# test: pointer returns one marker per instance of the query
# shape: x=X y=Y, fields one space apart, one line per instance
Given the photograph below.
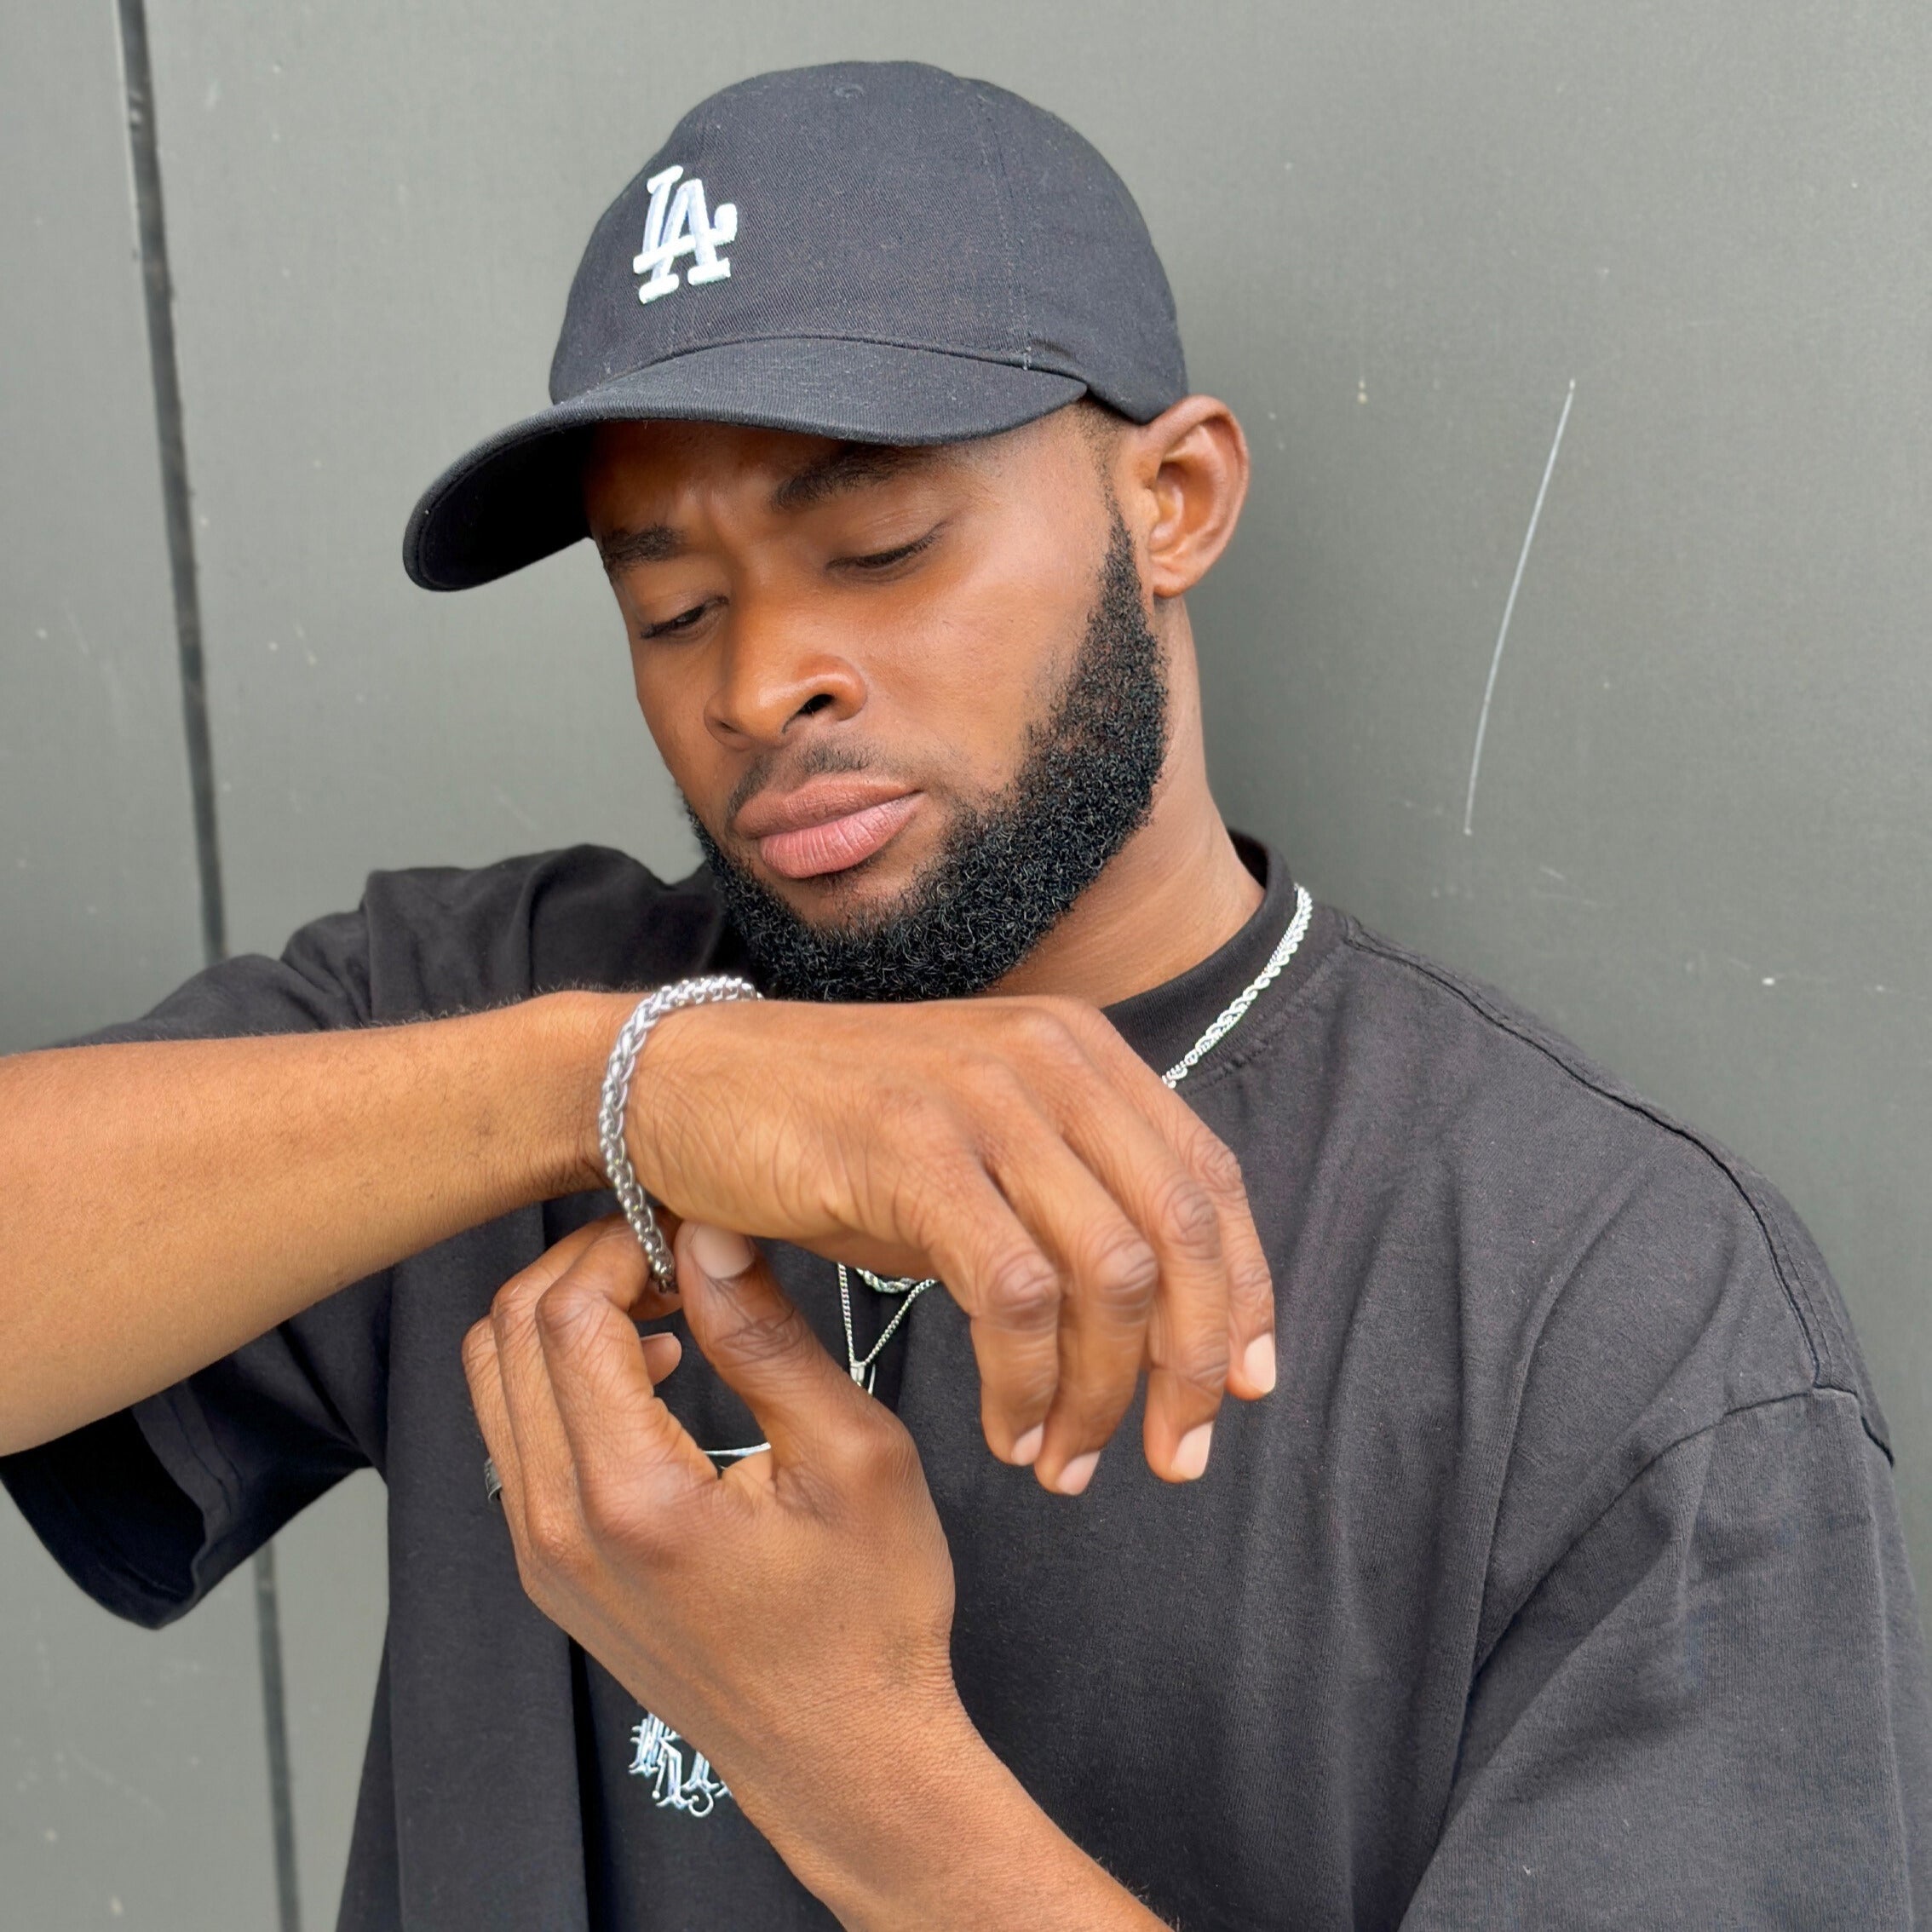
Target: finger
x=480 y=1370
x=649 y=1304
x=1250 y=1281
x=807 y=1407
x=546 y=1521
x=631 y=1460
x=662 y=1353
x=995 y=1267
x=533 y=1430
x=1187 y=1322
x=1109 y=1274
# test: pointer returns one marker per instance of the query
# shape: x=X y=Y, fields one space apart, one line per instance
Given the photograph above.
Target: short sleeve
x=149 y=1508
x=1713 y=1710
x=321 y=983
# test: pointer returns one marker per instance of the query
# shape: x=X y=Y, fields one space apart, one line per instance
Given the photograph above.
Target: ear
x=1181 y=480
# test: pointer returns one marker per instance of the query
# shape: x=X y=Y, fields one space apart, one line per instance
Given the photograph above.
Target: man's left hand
x=795 y=1612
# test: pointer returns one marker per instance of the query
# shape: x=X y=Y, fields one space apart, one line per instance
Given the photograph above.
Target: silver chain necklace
x=657 y=1754
x=864 y=1369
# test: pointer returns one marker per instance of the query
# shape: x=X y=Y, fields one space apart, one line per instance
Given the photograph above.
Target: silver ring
x=492 y=1483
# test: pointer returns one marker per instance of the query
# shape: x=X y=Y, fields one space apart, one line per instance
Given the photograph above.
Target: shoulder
x=440 y=939
x=1600 y=1284
x=1629 y=1206
x=1621 y=1282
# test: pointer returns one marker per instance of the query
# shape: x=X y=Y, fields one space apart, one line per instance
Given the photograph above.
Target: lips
x=826 y=826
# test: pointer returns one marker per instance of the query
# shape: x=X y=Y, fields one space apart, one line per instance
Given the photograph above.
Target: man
x=1550 y=1573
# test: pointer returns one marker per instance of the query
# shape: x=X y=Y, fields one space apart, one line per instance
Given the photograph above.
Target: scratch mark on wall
x=1509 y=611
x=112 y=1783
x=516 y=810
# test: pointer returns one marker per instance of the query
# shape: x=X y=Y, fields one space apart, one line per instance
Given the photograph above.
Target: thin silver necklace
x=864 y=1369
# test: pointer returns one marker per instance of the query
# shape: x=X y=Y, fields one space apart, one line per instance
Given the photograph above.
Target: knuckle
x=1042 y=1030
x=894 y=1459
x=867 y=1445
x=1098 y=1039
x=935 y=1203
x=1185 y=1214
x=1022 y=1291
x=512 y=1302
x=1215 y=1162
x=478 y=1345
x=1014 y=1384
x=1201 y=1365
x=561 y=1309
x=1123 y=1273
x=763 y=1340
x=1076 y=1016
x=550 y=1532
x=1251 y=1282
x=1014 y=1392
x=612 y=1255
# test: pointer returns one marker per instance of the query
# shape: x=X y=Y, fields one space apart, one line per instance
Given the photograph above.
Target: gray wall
x=1398 y=232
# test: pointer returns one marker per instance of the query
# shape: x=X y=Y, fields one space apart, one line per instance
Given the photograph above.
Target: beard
x=1010 y=868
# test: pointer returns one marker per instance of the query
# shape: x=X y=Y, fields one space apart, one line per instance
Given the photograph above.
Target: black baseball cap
x=884 y=253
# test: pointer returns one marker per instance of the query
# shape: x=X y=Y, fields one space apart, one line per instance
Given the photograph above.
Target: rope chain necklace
x=659 y=1749
x=864 y=1369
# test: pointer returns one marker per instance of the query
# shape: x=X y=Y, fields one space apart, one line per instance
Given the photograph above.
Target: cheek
x=672 y=704
x=981 y=668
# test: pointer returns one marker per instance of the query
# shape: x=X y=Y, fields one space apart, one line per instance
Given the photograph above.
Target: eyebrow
x=657 y=543
x=851 y=466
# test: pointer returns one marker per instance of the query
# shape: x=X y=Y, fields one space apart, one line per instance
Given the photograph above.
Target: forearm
x=165 y=1203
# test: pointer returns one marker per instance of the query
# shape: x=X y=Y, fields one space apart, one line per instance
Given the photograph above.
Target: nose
x=774 y=673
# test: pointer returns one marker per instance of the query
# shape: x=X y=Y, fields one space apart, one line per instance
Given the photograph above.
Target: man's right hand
x=1076 y=1208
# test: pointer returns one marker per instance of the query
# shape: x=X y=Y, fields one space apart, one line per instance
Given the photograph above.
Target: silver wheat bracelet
x=622 y=1176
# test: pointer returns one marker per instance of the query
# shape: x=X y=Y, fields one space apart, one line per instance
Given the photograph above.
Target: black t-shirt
x=1560 y=1582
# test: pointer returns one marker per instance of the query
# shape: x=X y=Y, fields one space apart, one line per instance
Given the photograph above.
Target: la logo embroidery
x=679 y=223
x=695 y=1792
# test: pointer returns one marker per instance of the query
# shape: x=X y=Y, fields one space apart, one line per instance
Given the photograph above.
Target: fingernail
x=1026 y=1450
x=1257 y=1362
x=1078 y=1474
x=722 y=1255
x=1190 y=1459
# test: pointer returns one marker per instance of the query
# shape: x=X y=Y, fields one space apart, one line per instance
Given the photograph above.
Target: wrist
x=883 y=1850
x=946 y=1836
x=572 y=1036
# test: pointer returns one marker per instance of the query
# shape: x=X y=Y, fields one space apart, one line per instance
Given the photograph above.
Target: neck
x=1175 y=893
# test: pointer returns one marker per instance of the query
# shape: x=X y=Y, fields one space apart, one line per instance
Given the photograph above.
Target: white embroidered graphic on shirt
x=658 y=1758
x=679 y=223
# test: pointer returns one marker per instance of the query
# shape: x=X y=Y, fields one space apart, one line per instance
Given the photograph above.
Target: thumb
x=754 y=1337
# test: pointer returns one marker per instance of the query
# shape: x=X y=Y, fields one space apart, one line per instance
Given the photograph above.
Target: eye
x=884 y=560
x=683 y=621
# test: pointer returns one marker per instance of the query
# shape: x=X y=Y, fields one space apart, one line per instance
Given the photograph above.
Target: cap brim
x=516 y=496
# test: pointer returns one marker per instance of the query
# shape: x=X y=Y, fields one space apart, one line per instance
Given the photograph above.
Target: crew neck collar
x=1162 y=1023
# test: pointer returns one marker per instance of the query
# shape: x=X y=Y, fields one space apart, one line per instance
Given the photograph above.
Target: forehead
x=635 y=468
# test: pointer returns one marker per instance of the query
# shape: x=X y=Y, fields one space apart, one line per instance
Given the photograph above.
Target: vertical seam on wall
x=144 y=157
x=177 y=508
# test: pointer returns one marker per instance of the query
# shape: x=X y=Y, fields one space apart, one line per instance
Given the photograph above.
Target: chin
x=866 y=894
x=867 y=891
